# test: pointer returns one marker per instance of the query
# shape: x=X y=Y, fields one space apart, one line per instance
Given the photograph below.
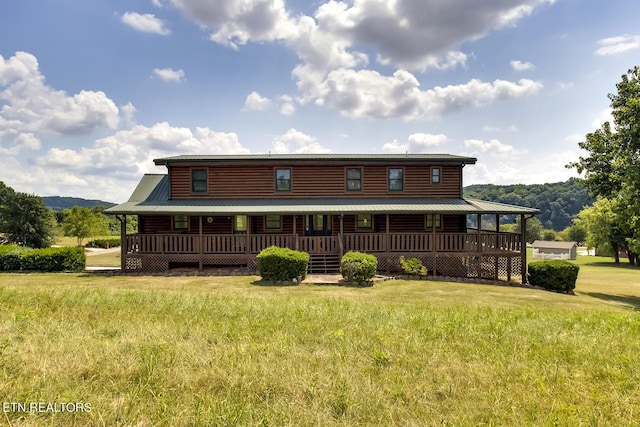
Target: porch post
x=479 y=216
x=248 y=244
x=123 y=242
x=434 y=243
x=341 y=235
x=523 y=248
x=295 y=231
x=200 y=251
x=387 y=243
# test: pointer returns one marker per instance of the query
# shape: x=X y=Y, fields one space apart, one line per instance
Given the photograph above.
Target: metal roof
x=447 y=158
x=151 y=197
x=544 y=244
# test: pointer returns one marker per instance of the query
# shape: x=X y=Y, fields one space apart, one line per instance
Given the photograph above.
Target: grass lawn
x=233 y=351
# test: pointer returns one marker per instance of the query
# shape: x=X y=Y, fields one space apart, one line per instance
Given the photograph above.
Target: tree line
x=559 y=202
x=26 y=220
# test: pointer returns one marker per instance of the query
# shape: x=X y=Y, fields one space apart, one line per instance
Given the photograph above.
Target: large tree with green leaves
x=81 y=222
x=612 y=168
x=25 y=219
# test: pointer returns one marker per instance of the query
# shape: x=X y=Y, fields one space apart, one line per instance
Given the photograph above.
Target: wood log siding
x=252 y=181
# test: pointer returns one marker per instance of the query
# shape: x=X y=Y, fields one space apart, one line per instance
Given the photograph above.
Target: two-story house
x=222 y=210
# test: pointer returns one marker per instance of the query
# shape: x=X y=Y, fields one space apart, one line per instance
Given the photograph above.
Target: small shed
x=555 y=250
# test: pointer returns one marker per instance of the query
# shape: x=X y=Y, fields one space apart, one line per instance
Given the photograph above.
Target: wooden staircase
x=324 y=263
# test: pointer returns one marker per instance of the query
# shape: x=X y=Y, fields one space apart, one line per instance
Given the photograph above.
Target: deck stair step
x=324 y=263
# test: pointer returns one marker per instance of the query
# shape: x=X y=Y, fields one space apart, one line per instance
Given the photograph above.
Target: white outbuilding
x=543 y=249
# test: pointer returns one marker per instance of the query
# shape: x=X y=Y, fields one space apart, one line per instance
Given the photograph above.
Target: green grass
x=231 y=351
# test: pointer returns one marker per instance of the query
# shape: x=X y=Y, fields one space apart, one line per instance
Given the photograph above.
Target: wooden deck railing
x=365 y=242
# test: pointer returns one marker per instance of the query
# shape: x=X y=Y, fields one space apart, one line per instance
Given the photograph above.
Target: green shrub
x=554 y=275
x=11 y=257
x=282 y=264
x=104 y=243
x=45 y=260
x=358 y=267
x=413 y=267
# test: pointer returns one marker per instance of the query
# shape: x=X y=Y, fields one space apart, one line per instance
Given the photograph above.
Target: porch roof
x=151 y=197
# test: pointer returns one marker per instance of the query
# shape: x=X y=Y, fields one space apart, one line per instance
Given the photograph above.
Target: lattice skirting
x=506 y=267
x=162 y=262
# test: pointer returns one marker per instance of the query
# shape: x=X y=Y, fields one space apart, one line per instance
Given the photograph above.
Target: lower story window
x=180 y=222
x=365 y=221
x=272 y=222
x=432 y=220
x=240 y=224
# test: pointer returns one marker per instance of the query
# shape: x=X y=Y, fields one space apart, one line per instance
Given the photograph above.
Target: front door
x=318 y=225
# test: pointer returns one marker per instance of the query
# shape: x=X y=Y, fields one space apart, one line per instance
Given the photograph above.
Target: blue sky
x=92 y=91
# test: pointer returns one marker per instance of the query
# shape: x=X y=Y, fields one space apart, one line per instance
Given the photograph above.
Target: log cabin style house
x=222 y=210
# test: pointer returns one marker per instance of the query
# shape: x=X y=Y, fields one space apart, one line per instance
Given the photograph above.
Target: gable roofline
x=439 y=158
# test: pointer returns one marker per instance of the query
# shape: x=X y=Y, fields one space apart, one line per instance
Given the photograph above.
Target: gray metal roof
x=151 y=197
x=447 y=158
x=544 y=244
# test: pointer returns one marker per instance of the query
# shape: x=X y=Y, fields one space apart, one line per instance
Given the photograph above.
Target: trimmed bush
x=104 y=243
x=11 y=257
x=358 y=267
x=413 y=267
x=554 y=275
x=282 y=264
x=45 y=260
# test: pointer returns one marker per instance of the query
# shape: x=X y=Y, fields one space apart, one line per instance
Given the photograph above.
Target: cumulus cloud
x=405 y=34
x=135 y=150
x=256 y=102
x=521 y=66
x=294 y=141
x=169 y=75
x=31 y=107
x=368 y=93
x=234 y=23
x=146 y=23
x=416 y=143
x=618 y=44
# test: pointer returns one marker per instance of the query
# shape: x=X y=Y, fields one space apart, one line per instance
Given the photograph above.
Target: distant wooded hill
x=558 y=202
x=58 y=203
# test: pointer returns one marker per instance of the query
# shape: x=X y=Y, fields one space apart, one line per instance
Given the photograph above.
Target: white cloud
x=498 y=129
x=146 y=23
x=13 y=142
x=256 y=102
x=287 y=105
x=603 y=116
x=618 y=44
x=235 y=22
x=134 y=150
x=416 y=143
x=156 y=3
x=493 y=147
x=521 y=66
x=32 y=107
x=412 y=33
x=294 y=141
x=367 y=93
x=169 y=75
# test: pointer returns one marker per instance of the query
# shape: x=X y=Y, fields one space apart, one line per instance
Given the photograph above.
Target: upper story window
x=283 y=179
x=436 y=175
x=354 y=179
x=180 y=222
x=199 y=180
x=396 y=179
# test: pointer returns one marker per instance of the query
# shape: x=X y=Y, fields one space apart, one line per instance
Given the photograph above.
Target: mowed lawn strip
x=228 y=351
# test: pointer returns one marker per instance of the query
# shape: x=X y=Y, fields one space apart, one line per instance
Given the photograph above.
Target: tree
x=25 y=219
x=601 y=221
x=81 y=222
x=548 y=235
x=612 y=168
